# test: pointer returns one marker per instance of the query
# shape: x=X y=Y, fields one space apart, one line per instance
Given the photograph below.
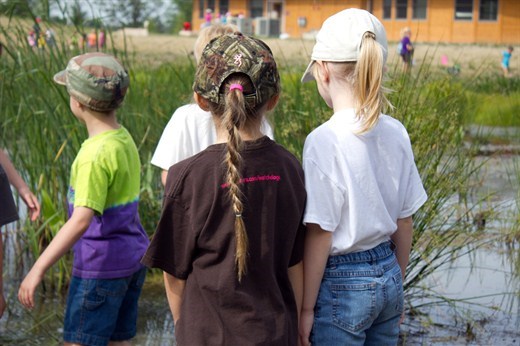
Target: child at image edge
x=9 y=213
x=230 y=237
x=363 y=188
x=104 y=226
x=191 y=129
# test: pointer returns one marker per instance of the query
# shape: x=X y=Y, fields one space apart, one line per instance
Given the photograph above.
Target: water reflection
x=490 y=315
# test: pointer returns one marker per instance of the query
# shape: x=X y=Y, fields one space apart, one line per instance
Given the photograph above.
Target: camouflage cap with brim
x=96 y=80
x=237 y=53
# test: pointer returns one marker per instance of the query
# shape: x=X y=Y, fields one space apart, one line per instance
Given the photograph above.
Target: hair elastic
x=238 y=215
x=236 y=86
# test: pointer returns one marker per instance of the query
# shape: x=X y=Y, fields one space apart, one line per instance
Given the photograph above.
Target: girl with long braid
x=230 y=237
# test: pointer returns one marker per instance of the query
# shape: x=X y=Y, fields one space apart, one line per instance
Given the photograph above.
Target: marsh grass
x=43 y=137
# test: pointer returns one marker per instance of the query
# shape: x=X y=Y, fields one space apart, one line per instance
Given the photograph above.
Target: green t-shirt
x=105 y=177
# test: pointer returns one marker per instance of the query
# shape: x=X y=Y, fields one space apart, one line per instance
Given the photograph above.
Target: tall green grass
x=43 y=137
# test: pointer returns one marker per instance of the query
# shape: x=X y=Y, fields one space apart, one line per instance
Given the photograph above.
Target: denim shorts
x=360 y=301
x=102 y=310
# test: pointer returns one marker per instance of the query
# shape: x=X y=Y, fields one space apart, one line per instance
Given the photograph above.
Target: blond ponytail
x=369 y=90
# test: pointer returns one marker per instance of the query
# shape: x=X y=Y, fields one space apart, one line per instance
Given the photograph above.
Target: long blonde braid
x=234 y=114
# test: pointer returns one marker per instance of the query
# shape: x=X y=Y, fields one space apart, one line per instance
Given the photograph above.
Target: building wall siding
x=439 y=25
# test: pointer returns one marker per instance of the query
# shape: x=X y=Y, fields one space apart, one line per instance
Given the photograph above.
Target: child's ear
x=201 y=101
x=273 y=102
x=323 y=71
x=77 y=103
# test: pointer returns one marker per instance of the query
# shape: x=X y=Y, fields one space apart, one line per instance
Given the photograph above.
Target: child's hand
x=31 y=201
x=28 y=287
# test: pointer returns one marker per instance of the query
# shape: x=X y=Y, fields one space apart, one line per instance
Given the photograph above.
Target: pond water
x=488 y=279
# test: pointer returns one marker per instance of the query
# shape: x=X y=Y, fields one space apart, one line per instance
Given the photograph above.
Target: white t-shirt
x=189 y=131
x=359 y=185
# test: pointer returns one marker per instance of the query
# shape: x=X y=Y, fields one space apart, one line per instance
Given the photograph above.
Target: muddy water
x=488 y=279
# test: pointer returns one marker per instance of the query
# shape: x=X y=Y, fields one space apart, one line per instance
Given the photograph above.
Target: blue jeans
x=360 y=299
x=102 y=310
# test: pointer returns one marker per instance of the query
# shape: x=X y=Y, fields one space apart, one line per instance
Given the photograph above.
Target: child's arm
x=317 y=247
x=402 y=239
x=296 y=278
x=174 y=292
x=16 y=180
x=164 y=175
x=67 y=236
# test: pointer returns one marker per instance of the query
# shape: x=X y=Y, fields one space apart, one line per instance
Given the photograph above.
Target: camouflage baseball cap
x=237 y=53
x=96 y=80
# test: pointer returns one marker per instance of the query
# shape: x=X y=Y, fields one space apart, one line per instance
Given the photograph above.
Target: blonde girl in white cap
x=363 y=188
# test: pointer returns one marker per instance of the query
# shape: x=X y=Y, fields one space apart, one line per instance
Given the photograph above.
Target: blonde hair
x=365 y=78
x=405 y=31
x=208 y=33
x=234 y=114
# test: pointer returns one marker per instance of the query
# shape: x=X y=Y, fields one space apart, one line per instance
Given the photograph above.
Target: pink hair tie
x=236 y=86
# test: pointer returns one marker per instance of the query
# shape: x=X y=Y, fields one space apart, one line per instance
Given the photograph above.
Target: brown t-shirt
x=195 y=241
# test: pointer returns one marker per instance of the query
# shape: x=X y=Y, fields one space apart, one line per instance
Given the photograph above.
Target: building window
x=488 y=9
x=223 y=7
x=256 y=8
x=211 y=5
x=464 y=9
x=201 y=8
x=401 y=9
x=387 y=9
x=419 y=9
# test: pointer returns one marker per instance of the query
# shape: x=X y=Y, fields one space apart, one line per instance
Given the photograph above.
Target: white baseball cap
x=339 y=38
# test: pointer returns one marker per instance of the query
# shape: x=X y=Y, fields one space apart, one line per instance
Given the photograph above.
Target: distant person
x=8 y=212
x=363 y=188
x=208 y=18
x=191 y=129
x=102 y=39
x=37 y=28
x=230 y=237
x=92 y=39
x=31 y=39
x=104 y=226
x=406 y=48
x=506 y=57
x=50 y=37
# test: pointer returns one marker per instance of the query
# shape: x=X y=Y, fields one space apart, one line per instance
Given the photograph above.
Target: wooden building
x=451 y=21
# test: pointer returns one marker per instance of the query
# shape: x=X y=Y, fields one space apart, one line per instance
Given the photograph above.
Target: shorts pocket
x=354 y=305
x=104 y=291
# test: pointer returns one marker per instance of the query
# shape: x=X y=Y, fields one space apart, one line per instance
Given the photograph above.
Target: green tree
x=130 y=13
x=76 y=14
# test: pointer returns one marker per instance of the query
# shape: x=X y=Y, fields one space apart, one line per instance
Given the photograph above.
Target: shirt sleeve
x=174 y=242
x=297 y=253
x=173 y=145
x=415 y=194
x=90 y=190
x=325 y=198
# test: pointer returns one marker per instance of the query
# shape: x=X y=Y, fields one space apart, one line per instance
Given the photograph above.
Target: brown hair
x=235 y=114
